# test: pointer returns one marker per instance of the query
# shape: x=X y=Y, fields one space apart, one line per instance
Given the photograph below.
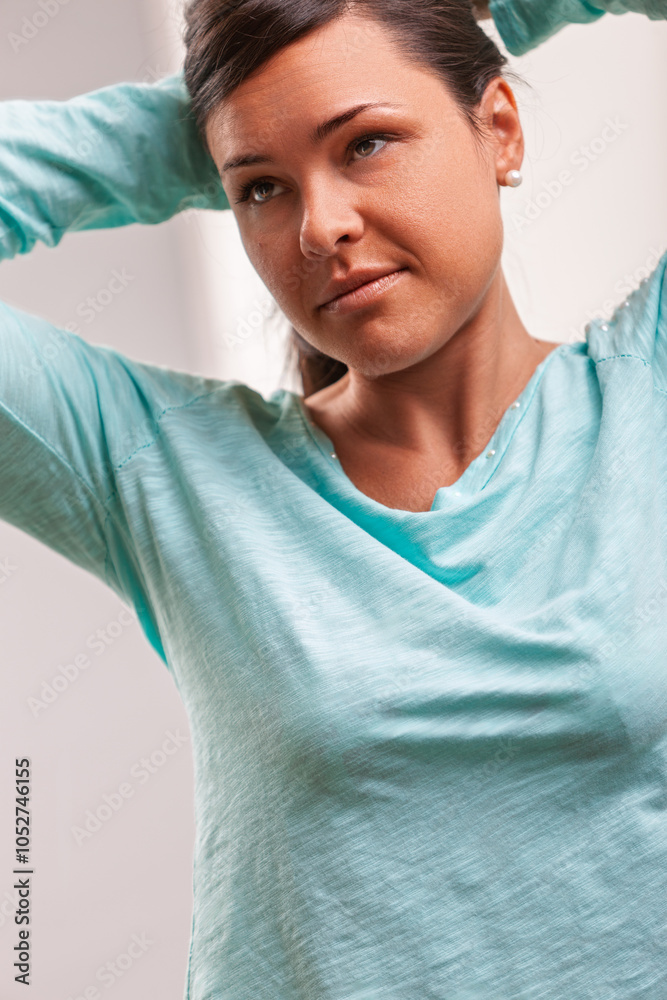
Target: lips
x=358 y=279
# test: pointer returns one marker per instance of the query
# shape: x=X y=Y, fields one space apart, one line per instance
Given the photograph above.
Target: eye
x=368 y=139
x=247 y=189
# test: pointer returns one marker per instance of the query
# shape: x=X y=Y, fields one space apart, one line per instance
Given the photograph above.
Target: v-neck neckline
x=474 y=477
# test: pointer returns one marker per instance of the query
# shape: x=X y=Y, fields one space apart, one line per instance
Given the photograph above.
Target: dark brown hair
x=228 y=40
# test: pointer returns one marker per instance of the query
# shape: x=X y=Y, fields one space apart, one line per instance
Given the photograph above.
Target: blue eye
x=246 y=191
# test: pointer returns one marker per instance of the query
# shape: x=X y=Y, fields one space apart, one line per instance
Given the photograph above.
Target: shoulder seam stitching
x=147 y=444
x=636 y=357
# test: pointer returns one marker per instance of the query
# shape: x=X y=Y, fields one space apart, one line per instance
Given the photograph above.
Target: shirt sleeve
x=525 y=24
x=123 y=154
x=71 y=412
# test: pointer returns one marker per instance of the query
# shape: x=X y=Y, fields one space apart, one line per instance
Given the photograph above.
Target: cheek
x=281 y=266
x=456 y=229
x=444 y=201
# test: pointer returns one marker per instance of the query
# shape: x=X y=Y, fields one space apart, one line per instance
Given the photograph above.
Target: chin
x=376 y=363
x=386 y=353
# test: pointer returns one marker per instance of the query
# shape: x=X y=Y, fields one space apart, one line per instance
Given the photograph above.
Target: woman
x=416 y=616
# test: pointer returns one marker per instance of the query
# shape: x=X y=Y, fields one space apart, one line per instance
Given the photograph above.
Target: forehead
x=349 y=61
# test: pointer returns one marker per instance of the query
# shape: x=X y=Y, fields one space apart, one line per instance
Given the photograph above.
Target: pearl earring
x=513 y=178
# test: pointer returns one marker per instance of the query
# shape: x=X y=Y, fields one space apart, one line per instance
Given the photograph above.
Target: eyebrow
x=317 y=135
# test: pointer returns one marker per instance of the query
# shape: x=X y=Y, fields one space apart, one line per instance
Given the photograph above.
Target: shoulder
x=163 y=388
x=637 y=329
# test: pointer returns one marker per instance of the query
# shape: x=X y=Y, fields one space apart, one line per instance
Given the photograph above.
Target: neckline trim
x=477 y=474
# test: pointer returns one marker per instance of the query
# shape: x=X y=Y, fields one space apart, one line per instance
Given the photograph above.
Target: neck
x=449 y=404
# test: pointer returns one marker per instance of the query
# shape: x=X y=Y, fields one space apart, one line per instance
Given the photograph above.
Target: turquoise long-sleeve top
x=430 y=748
x=524 y=24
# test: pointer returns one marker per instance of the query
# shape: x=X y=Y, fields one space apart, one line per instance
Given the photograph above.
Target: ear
x=499 y=112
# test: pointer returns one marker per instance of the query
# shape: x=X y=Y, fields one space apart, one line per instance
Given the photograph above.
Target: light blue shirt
x=430 y=748
x=524 y=24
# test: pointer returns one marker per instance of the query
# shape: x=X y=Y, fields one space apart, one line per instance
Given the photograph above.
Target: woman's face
x=401 y=187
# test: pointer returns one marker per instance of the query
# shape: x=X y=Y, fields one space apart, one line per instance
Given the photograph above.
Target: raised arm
x=525 y=24
x=71 y=412
x=118 y=155
x=639 y=324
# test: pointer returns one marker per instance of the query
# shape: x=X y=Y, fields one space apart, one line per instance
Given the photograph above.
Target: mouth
x=364 y=295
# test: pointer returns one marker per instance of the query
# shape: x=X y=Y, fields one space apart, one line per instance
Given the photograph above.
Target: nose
x=328 y=218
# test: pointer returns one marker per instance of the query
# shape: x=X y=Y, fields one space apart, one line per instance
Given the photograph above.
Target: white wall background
x=576 y=243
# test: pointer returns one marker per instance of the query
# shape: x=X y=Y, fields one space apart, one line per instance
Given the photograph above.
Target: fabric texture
x=525 y=24
x=71 y=165
x=430 y=749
